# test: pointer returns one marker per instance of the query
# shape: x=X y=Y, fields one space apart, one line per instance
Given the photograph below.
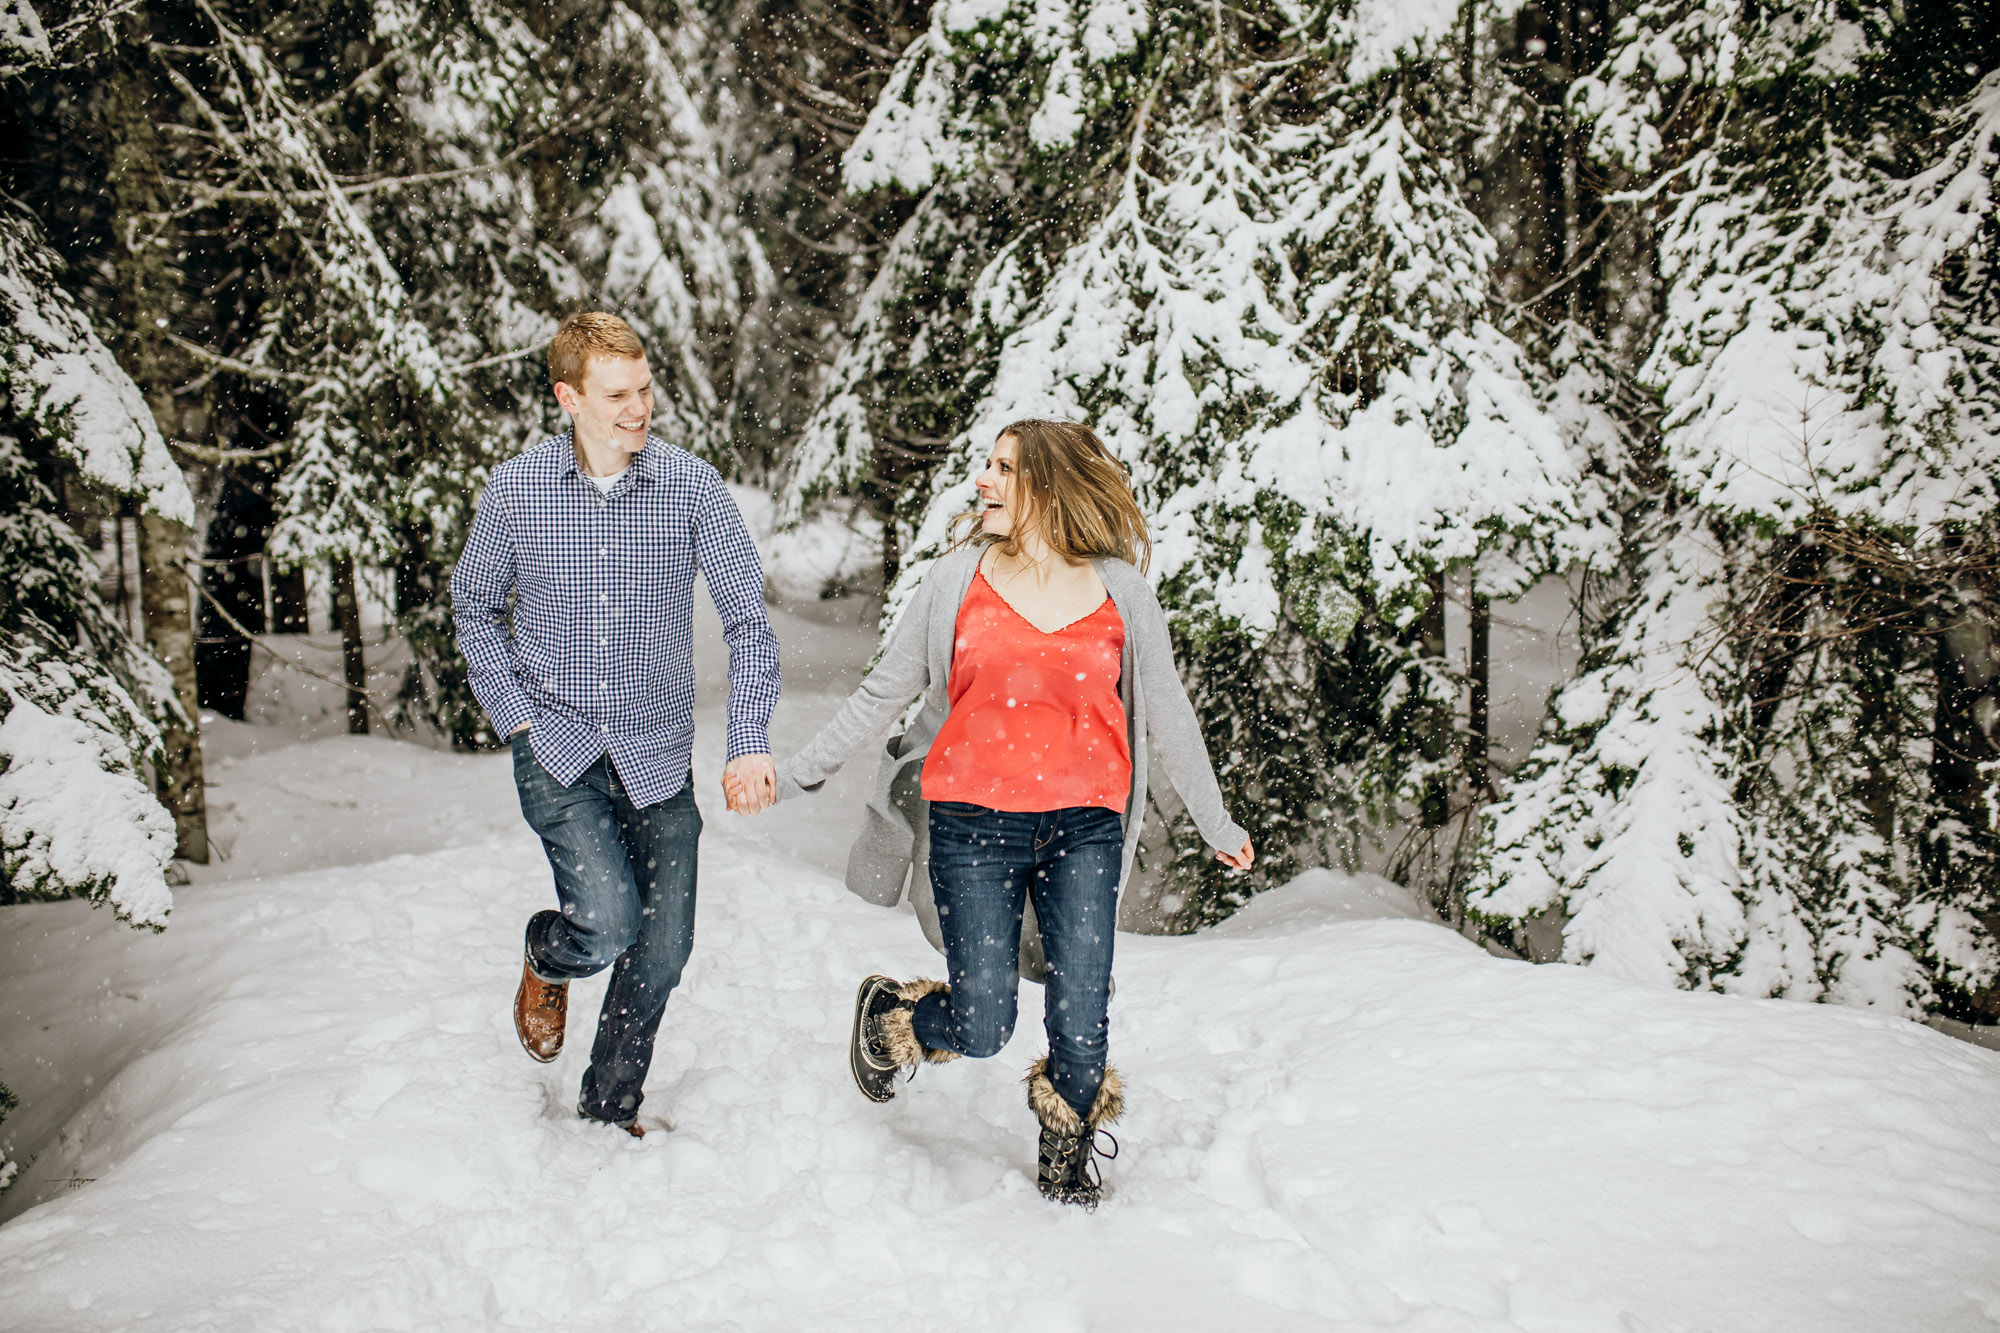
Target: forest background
x=1689 y=306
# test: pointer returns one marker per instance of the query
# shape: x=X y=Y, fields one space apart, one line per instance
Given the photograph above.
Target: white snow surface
x=303 y=1107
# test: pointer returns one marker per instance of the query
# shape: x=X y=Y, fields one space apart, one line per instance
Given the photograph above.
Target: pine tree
x=80 y=703
x=1279 y=319
x=1009 y=124
x=380 y=212
x=1825 y=553
x=83 y=703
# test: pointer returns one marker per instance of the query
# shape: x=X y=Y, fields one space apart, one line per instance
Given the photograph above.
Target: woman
x=1044 y=665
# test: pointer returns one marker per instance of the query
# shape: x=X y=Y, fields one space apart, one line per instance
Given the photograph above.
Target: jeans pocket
x=531 y=780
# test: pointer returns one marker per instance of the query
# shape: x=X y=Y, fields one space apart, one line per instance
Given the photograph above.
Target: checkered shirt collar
x=650 y=463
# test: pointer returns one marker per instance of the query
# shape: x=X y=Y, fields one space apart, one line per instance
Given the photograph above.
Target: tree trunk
x=1436 y=811
x=124 y=570
x=1964 y=730
x=549 y=162
x=167 y=596
x=1572 y=135
x=288 y=600
x=145 y=291
x=1468 y=46
x=1430 y=625
x=1480 y=672
x=892 y=551
x=353 y=658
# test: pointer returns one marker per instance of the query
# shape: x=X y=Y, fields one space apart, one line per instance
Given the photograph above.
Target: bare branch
x=208 y=453
x=244 y=368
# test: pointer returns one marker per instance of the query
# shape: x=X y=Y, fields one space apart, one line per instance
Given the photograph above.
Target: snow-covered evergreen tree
x=1278 y=318
x=79 y=701
x=399 y=201
x=1792 y=700
x=1011 y=123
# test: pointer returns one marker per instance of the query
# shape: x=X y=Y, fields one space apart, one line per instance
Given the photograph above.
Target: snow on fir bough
x=60 y=375
x=81 y=700
x=73 y=820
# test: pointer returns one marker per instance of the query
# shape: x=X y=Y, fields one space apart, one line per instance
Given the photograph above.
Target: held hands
x=1242 y=859
x=750 y=783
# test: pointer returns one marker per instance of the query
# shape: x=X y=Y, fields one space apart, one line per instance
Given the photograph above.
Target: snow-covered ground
x=303 y=1107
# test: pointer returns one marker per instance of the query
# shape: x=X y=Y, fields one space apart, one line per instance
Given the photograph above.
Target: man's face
x=614 y=405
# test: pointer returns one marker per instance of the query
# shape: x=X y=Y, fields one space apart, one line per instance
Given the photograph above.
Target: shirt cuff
x=509 y=713
x=748 y=738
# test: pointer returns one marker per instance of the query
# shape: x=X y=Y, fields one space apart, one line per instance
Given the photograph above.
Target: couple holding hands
x=1044 y=670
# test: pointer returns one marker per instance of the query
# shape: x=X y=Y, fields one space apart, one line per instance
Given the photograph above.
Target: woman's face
x=997 y=496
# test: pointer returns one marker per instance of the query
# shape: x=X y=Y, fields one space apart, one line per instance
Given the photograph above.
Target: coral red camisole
x=1036 y=722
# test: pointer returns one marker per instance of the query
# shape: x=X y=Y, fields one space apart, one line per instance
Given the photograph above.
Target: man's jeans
x=625 y=879
x=985 y=864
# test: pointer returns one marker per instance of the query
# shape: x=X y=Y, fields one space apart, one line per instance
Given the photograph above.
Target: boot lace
x=1089 y=1179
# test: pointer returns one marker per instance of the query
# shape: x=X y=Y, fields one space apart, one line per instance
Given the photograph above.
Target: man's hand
x=750 y=783
x=1242 y=859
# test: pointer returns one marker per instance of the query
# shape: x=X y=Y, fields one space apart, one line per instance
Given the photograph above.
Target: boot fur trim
x=899 y=1031
x=1058 y=1115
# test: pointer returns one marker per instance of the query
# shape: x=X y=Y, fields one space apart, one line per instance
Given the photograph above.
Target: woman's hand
x=1242 y=859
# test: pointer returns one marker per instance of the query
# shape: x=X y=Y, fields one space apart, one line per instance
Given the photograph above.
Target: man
x=589 y=544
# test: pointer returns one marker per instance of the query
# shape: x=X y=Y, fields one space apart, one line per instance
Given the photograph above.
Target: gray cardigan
x=917 y=661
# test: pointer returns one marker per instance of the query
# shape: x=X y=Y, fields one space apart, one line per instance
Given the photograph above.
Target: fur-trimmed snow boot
x=884 y=1038
x=1065 y=1165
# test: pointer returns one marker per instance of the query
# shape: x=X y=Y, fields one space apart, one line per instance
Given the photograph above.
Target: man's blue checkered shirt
x=601 y=658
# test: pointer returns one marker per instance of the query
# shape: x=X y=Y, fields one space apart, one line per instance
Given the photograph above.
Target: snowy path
x=1367 y=1123
x=307 y=1110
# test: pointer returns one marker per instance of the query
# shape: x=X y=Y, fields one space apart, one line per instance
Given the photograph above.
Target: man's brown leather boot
x=540 y=1010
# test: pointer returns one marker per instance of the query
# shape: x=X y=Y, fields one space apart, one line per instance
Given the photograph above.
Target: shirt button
x=604 y=597
x=602 y=551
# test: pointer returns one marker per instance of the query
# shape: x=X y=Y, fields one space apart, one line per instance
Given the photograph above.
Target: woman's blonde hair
x=1071 y=490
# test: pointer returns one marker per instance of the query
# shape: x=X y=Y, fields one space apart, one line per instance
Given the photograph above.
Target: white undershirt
x=605 y=484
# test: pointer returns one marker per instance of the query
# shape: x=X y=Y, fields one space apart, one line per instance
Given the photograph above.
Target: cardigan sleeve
x=900 y=676
x=1174 y=729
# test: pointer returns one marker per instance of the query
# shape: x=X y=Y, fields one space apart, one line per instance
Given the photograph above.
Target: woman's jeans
x=625 y=882
x=985 y=864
